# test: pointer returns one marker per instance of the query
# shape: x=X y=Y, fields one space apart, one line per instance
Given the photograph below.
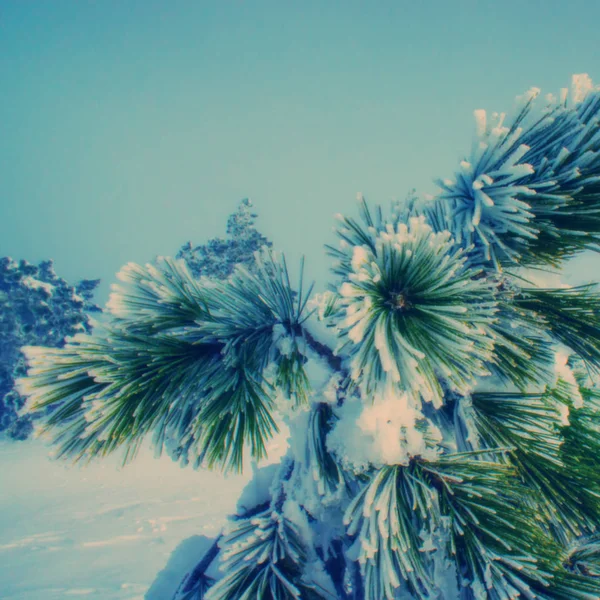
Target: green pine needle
x=571 y=315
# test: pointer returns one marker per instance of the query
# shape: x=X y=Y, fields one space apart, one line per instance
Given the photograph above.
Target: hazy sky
x=130 y=127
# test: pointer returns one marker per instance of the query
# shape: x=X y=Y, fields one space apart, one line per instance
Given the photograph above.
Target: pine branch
x=387 y=517
x=584 y=557
x=571 y=315
x=332 y=480
x=263 y=557
x=533 y=425
x=497 y=537
x=414 y=312
x=183 y=360
x=501 y=503
x=529 y=192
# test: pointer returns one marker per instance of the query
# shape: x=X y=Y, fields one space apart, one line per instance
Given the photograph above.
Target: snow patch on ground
x=104 y=532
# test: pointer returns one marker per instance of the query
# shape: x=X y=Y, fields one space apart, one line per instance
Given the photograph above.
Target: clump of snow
x=563 y=410
x=257 y=491
x=360 y=257
x=292 y=511
x=388 y=431
x=321 y=303
x=182 y=561
x=330 y=390
x=565 y=373
x=319 y=374
x=36 y=284
x=530 y=95
x=435 y=543
x=581 y=86
x=282 y=340
x=480 y=121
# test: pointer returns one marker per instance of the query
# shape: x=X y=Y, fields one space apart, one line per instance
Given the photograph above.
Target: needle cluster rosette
x=415 y=313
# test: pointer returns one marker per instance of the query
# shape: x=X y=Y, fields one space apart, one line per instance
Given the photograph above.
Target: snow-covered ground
x=101 y=531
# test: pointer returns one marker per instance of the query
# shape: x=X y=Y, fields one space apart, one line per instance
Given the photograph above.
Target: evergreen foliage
x=443 y=444
x=219 y=257
x=38 y=308
x=274 y=549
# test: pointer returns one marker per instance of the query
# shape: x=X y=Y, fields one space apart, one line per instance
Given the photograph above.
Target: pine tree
x=219 y=257
x=38 y=307
x=443 y=411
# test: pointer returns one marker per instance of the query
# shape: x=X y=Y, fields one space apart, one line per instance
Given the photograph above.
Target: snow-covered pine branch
x=442 y=406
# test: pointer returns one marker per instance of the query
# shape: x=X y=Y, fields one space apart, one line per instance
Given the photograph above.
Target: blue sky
x=129 y=128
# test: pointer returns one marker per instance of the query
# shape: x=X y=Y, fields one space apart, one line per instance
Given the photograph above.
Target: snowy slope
x=103 y=532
